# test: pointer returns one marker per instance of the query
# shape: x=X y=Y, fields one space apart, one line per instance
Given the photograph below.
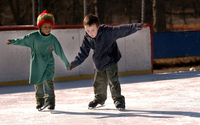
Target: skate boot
x=120 y=105
x=51 y=107
x=43 y=107
x=39 y=105
x=93 y=104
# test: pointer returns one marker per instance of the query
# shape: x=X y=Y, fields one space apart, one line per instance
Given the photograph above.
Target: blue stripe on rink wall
x=176 y=44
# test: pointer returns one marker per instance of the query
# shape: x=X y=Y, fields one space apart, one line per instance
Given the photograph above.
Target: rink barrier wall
x=176 y=44
x=136 y=49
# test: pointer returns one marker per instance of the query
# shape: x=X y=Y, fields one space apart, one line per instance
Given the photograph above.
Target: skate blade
x=121 y=109
x=90 y=108
x=43 y=107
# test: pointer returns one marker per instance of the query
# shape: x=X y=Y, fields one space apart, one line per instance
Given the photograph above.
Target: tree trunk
x=159 y=21
x=14 y=6
x=19 y=15
x=100 y=10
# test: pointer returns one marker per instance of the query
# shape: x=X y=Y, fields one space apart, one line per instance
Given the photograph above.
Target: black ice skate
x=39 y=105
x=93 y=104
x=51 y=107
x=120 y=105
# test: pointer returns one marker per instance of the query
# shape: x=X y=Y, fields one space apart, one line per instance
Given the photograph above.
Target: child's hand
x=8 y=42
x=144 y=25
x=69 y=67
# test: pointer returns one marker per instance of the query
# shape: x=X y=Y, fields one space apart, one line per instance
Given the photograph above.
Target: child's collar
x=99 y=32
x=44 y=36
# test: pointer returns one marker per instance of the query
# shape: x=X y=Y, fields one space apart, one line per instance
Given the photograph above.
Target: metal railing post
x=85 y=8
x=143 y=11
x=33 y=9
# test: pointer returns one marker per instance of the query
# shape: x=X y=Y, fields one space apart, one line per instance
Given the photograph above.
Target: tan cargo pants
x=100 y=84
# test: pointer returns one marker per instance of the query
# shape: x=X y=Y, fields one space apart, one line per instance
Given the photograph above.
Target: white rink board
x=14 y=64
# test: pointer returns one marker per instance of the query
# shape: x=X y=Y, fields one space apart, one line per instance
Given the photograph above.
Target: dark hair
x=91 y=19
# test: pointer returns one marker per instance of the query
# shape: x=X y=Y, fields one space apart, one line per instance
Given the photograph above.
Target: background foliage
x=165 y=15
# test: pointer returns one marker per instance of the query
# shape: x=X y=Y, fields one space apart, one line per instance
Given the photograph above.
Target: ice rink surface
x=151 y=99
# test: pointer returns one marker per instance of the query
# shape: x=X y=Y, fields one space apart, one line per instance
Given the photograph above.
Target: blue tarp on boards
x=176 y=44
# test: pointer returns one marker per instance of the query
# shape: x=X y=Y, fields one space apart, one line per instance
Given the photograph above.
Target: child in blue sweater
x=102 y=40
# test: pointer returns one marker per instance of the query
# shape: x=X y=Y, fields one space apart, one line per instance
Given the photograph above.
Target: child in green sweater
x=42 y=66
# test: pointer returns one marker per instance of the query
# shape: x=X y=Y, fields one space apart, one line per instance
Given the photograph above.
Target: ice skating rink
x=151 y=99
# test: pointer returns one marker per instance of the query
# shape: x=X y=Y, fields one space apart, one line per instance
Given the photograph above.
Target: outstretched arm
x=23 y=41
x=82 y=54
x=125 y=30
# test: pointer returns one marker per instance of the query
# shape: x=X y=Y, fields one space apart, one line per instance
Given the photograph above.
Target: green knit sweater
x=42 y=65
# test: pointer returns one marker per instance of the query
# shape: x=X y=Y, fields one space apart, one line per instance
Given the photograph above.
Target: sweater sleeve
x=82 y=54
x=24 y=41
x=59 y=51
x=125 y=30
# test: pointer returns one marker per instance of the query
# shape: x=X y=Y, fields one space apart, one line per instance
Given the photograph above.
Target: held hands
x=69 y=67
x=8 y=42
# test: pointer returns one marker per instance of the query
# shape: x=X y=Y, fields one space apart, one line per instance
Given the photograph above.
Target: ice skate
x=93 y=105
x=43 y=107
x=120 y=105
x=51 y=107
x=39 y=105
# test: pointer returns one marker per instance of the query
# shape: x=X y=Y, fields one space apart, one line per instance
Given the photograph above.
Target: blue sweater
x=105 y=49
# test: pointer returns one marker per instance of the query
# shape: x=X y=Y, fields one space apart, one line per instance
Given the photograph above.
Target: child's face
x=91 y=30
x=46 y=28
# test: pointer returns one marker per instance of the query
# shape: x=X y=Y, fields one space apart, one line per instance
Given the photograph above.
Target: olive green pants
x=100 y=84
x=46 y=94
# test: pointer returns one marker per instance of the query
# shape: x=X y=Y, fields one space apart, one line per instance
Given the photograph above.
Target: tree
x=159 y=21
x=20 y=11
x=101 y=10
